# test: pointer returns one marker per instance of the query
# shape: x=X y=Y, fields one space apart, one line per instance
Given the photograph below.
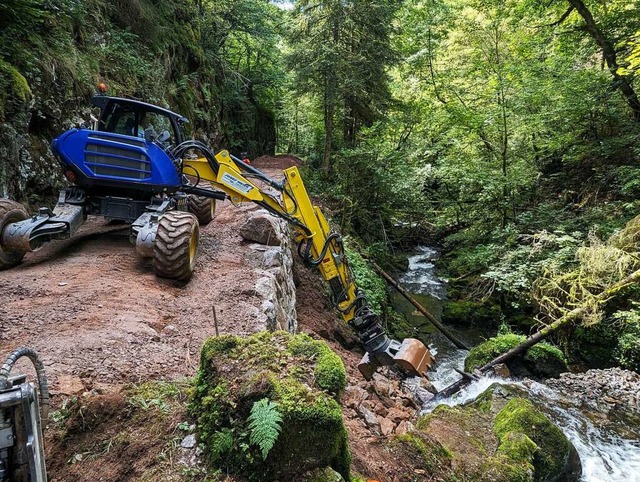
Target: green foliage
x=339 y=52
x=371 y=284
x=264 y=425
x=155 y=395
x=627 y=350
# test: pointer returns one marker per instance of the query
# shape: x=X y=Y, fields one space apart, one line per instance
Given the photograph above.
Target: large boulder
x=301 y=376
x=500 y=437
x=541 y=361
x=262 y=228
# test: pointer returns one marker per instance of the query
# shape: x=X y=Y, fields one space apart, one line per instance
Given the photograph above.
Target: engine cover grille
x=123 y=158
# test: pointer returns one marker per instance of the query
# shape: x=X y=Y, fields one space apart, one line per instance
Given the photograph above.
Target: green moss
x=329 y=372
x=465 y=312
x=520 y=416
x=13 y=86
x=218 y=345
x=518 y=447
x=299 y=374
x=542 y=359
x=432 y=453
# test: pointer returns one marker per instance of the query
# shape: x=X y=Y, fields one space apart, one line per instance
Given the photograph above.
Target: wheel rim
x=193 y=248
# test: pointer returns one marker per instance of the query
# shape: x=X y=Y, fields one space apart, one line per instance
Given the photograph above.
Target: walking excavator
x=135 y=164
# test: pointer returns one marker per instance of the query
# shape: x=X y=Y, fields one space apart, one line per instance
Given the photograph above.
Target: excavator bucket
x=414 y=357
x=411 y=355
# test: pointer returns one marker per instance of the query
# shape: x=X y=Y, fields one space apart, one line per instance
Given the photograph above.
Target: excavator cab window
x=138 y=119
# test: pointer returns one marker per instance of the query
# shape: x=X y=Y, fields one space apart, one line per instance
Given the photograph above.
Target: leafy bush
x=371 y=284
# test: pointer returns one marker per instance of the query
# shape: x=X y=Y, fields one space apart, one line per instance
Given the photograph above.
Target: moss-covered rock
x=466 y=312
x=465 y=435
x=326 y=474
x=526 y=432
x=301 y=375
x=498 y=437
x=427 y=454
x=541 y=360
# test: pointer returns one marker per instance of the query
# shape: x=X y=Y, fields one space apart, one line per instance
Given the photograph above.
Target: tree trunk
x=609 y=55
x=328 y=134
x=421 y=309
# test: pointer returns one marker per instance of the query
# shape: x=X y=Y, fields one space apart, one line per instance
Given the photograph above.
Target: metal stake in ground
x=215 y=319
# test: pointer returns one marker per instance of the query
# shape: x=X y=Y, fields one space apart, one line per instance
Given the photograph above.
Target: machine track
x=10 y=212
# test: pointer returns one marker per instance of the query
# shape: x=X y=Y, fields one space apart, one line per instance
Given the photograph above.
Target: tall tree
x=621 y=81
x=340 y=50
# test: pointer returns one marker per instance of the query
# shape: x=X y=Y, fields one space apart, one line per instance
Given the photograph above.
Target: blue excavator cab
x=128 y=149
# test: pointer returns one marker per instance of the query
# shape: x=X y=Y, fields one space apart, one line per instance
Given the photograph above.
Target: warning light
x=102 y=88
x=70 y=175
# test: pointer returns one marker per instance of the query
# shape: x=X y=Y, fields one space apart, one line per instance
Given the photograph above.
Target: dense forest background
x=506 y=131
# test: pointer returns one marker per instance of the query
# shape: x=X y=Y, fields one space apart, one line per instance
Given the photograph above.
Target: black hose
x=43 y=387
x=306 y=256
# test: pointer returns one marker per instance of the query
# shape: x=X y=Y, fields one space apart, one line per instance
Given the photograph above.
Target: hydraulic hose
x=43 y=387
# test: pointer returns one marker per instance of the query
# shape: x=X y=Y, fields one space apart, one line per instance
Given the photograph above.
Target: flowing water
x=609 y=451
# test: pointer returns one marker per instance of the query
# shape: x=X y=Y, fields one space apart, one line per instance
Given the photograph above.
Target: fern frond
x=264 y=425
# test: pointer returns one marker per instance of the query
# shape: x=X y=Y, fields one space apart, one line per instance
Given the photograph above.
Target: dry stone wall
x=273 y=262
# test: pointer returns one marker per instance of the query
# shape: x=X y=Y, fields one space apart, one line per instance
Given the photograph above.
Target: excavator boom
x=318 y=246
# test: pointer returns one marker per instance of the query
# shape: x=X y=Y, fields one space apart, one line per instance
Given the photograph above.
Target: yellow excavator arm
x=318 y=245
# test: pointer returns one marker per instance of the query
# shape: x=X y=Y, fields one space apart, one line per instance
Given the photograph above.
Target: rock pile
x=386 y=405
x=603 y=391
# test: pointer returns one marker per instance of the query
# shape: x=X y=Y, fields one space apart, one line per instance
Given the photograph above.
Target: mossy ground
x=298 y=373
x=466 y=312
x=134 y=434
x=542 y=359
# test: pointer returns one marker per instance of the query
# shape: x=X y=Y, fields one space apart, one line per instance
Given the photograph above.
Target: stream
x=609 y=450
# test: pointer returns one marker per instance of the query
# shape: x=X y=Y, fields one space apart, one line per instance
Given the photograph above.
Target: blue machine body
x=100 y=158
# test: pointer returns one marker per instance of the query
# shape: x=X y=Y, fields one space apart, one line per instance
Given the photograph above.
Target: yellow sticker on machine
x=235 y=183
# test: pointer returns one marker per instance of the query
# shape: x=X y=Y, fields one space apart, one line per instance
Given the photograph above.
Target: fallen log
x=564 y=320
x=439 y=326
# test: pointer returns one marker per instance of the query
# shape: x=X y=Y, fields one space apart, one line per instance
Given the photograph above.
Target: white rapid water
x=420 y=278
x=605 y=455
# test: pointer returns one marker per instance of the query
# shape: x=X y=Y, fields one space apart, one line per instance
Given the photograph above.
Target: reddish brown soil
x=100 y=318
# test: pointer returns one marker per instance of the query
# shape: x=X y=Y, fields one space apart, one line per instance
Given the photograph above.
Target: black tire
x=203 y=208
x=176 y=245
x=10 y=212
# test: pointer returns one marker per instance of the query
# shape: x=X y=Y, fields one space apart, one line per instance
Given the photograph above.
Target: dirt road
x=98 y=316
